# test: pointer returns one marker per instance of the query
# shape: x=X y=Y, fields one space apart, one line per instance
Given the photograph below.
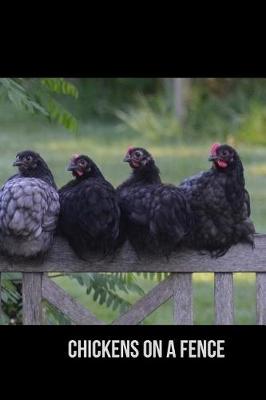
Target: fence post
x=224 y=298
x=32 y=298
x=261 y=298
x=182 y=297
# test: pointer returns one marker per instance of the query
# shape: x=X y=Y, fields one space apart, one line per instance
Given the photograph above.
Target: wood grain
x=147 y=304
x=32 y=298
x=61 y=258
x=59 y=298
x=223 y=298
x=182 y=296
x=261 y=298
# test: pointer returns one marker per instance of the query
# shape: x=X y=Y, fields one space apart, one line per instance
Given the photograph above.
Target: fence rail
x=241 y=258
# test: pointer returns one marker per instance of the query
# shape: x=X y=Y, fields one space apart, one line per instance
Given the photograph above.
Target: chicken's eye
x=138 y=154
x=82 y=163
x=225 y=153
x=28 y=158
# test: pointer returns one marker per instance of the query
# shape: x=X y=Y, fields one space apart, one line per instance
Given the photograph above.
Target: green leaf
x=61 y=86
x=61 y=115
x=36 y=96
x=17 y=94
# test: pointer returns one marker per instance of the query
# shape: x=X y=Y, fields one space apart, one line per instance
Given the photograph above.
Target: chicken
x=155 y=216
x=29 y=208
x=220 y=203
x=90 y=214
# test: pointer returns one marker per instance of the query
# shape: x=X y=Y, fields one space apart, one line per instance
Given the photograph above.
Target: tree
x=180 y=88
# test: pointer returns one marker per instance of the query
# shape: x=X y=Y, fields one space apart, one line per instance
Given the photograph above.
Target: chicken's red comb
x=130 y=149
x=214 y=147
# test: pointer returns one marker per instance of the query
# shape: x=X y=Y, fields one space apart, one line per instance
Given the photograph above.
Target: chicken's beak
x=17 y=163
x=213 y=157
x=72 y=167
x=127 y=158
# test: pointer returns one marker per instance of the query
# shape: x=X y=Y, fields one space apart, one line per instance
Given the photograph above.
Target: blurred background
x=177 y=120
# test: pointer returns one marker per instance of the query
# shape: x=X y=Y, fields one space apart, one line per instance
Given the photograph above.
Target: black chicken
x=220 y=203
x=155 y=216
x=29 y=208
x=90 y=215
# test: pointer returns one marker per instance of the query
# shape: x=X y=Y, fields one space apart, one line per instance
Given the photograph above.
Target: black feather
x=155 y=216
x=89 y=216
x=220 y=203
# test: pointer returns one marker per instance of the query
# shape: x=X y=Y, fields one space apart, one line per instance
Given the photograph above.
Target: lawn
x=106 y=144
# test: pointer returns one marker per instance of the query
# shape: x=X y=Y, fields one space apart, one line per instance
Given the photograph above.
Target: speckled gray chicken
x=29 y=208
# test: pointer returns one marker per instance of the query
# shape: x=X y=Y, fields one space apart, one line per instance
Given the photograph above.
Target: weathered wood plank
x=261 y=298
x=223 y=299
x=147 y=304
x=59 y=298
x=32 y=298
x=240 y=258
x=182 y=296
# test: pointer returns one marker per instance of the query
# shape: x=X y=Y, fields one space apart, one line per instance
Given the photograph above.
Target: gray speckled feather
x=29 y=209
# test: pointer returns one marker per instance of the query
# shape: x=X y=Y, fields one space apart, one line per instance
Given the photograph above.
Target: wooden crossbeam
x=61 y=258
x=147 y=304
x=59 y=298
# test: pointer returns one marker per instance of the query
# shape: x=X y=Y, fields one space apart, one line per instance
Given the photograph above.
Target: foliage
x=108 y=288
x=216 y=107
x=37 y=96
x=99 y=97
x=151 y=118
x=253 y=125
x=11 y=299
x=226 y=107
x=53 y=316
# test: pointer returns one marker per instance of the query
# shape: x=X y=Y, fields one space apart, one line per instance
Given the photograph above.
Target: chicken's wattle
x=220 y=163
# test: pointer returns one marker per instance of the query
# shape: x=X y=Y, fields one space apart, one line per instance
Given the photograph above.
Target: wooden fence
x=241 y=258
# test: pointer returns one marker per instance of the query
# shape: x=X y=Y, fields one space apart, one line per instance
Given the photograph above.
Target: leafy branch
x=37 y=96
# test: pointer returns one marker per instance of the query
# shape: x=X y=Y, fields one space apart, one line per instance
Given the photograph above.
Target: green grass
x=106 y=144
